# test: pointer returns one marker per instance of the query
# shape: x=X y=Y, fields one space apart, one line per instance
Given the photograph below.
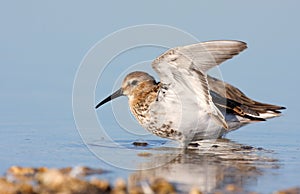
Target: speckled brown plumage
x=143 y=96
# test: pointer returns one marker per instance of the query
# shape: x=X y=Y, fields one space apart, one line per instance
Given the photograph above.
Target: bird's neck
x=142 y=97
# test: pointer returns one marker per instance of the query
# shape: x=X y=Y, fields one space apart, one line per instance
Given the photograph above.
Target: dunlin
x=187 y=104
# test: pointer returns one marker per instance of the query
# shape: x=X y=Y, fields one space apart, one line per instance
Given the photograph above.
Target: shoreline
x=75 y=180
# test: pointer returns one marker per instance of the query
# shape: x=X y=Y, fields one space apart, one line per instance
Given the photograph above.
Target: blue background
x=43 y=43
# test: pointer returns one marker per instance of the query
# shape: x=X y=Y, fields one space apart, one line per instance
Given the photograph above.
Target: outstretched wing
x=185 y=67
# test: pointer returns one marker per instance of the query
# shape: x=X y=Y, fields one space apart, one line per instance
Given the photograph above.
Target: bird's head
x=129 y=84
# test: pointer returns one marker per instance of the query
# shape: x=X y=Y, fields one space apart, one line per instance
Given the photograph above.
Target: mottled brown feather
x=238 y=101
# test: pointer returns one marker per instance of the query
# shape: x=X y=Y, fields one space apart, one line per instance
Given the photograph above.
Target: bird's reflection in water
x=208 y=166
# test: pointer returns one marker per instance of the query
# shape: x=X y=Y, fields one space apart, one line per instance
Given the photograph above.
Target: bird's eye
x=134 y=82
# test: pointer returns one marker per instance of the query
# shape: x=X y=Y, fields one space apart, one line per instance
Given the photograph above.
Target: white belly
x=180 y=119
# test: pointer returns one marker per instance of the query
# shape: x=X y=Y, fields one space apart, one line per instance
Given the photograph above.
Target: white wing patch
x=187 y=66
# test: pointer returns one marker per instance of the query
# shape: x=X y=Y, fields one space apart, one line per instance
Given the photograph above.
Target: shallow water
x=257 y=158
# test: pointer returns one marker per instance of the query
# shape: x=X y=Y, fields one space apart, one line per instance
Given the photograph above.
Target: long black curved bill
x=116 y=94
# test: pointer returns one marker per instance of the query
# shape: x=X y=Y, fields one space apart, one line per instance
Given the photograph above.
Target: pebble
x=7 y=187
x=195 y=190
x=101 y=184
x=138 y=143
x=120 y=184
x=21 y=171
x=43 y=180
x=144 y=154
x=295 y=190
x=162 y=186
x=231 y=187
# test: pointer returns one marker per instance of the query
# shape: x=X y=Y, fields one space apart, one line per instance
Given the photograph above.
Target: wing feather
x=178 y=65
x=203 y=56
x=231 y=97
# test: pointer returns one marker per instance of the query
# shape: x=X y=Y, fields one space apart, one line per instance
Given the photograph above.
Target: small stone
x=143 y=144
x=120 y=184
x=120 y=187
x=6 y=187
x=66 y=170
x=136 y=190
x=144 y=154
x=195 y=145
x=162 y=186
x=118 y=192
x=42 y=169
x=52 y=178
x=11 y=188
x=103 y=185
x=295 y=190
x=231 y=187
x=21 y=171
x=25 y=189
x=195 y=191
x=78 y=171
x=247 y=147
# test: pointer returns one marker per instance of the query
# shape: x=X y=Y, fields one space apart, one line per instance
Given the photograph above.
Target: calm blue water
x=275 y=167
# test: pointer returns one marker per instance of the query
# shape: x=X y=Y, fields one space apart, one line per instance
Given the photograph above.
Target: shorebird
x=187 y=104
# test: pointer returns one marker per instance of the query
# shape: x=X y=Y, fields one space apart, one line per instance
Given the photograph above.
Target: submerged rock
x=140 y=143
